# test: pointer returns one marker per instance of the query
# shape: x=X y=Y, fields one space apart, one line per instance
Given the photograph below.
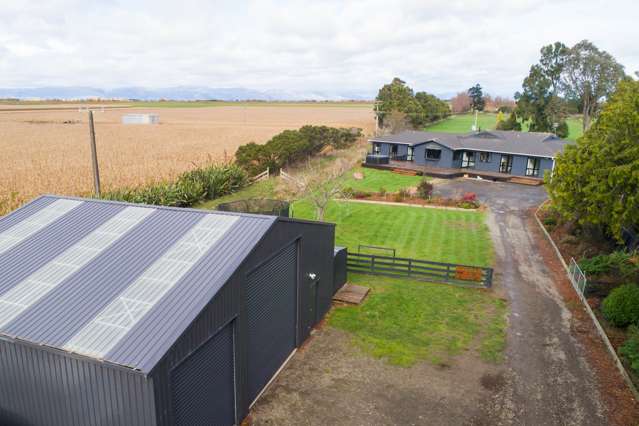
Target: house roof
x=114 y=281
x=521 y=143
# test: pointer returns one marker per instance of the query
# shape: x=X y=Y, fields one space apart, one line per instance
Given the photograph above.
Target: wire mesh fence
x=577 y=277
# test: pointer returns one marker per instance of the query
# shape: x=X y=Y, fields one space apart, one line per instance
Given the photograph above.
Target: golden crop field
x=47 y=151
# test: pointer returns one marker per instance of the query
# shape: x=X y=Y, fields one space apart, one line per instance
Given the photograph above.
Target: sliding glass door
x=532 y=167
x=468 y=160
x=506 y=164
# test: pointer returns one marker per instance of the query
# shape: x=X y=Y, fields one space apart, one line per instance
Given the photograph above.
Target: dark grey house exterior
x=119 y=314
x=526 y=154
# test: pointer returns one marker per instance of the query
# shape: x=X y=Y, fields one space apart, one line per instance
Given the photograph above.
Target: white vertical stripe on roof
x=27 y=292
x=100 y=335
x=37 y=221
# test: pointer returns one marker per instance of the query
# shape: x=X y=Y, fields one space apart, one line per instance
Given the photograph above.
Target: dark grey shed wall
x=47 y=387
x=315 y=255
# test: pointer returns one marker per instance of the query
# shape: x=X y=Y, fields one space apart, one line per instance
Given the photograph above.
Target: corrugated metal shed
x=55 y=312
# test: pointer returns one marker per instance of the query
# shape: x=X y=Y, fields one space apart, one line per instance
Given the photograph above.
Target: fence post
x=373 y=264
x=410 y=266
x=447 y=273
x=489 y=278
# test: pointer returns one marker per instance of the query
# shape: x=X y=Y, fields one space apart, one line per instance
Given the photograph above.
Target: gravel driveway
x=545 y=380
x=547 y=377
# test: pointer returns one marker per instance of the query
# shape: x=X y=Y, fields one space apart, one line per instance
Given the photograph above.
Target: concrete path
x=547 y=378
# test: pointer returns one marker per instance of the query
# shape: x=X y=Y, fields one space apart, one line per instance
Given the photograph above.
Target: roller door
x=202 y=386
x=271 y=305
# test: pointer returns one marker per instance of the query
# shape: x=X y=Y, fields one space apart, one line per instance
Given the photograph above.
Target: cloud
x=439 y=46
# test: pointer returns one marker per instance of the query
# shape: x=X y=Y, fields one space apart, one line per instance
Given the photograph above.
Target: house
x=121 y=314
x=492 y=154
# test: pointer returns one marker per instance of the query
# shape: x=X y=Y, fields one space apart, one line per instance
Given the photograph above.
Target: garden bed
x=605 y=269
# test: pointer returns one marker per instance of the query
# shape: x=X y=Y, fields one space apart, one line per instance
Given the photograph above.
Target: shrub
x=562 y=130
x=469 y=197
x=621 y=306
x=425 y=189
x=630 y=349
x=362 y=194
x=191 y=187
x=467 y=205
x=620 y=262
x=382 y=191
x=348 y=192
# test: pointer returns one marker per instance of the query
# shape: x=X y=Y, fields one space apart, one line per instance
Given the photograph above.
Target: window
x=468 y=160
x=457 y=155
x=484 y=157
x=532 y=167
x=409 y=156
x=433 y=154
x=506 y=164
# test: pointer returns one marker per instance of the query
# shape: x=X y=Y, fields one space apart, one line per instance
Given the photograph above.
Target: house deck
x=449 y=173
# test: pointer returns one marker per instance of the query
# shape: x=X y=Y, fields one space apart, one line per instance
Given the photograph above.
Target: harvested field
x=48 y=151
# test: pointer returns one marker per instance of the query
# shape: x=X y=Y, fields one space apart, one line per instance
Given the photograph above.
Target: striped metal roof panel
x=75 y=301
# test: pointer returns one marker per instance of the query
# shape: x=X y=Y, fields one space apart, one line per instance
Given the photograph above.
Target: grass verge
x=404 y=322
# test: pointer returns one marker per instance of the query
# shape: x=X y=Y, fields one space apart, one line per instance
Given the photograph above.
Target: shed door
x=202 y=386
x=271 y=306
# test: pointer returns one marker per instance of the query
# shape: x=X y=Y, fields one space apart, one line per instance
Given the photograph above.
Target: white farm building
x=141 y=119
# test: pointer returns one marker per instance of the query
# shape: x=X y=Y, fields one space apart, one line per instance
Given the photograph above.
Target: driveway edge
x=593 y=317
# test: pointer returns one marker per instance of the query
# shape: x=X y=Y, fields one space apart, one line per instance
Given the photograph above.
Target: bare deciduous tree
x=460 y=103
x=318 y=183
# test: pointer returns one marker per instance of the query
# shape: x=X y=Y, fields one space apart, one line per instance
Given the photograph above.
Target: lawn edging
x=393 y=203
x=593 y=317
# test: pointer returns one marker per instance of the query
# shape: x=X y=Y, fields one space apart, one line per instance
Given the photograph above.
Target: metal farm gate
x=272 y=317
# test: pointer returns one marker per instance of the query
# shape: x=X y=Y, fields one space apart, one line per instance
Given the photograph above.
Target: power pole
x=94 y=156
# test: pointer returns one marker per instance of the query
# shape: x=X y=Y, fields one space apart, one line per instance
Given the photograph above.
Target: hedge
x=291 y=146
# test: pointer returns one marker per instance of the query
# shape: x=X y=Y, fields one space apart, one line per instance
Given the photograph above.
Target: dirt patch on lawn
x=623 y=409
x=332 y=382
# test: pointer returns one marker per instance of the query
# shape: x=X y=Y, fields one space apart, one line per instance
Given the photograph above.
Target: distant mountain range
x=184 y=93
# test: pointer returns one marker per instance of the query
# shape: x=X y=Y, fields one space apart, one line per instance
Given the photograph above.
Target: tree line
x=292 y=146
x=398 y=107
x=578 y=78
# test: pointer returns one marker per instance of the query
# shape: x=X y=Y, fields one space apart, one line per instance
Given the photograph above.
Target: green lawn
x=430 y=234
x=405 y=321
x=374 y=180
x=461 y=123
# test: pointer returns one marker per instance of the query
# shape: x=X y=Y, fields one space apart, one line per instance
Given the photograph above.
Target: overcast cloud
x=336 y=46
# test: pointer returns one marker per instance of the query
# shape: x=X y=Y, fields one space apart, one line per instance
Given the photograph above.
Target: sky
x=348 y=46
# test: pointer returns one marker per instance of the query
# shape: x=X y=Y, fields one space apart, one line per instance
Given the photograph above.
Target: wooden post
x=94 y=156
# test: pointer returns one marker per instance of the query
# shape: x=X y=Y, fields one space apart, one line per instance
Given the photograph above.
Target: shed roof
x=115 y=281
x=508 y=142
